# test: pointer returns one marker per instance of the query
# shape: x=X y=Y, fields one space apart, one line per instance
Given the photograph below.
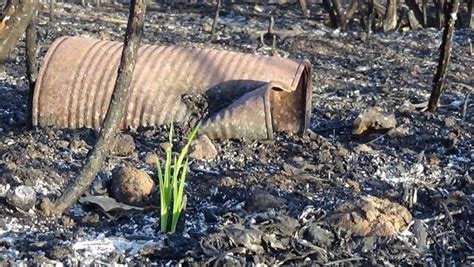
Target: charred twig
x=439 y=4
x=51 y=9
x=31 y=60
x=343 y=261
x=464 y=107
x=443 y=63
x=274 y=41
x=214 y=23
x=269 y=35
x=304 y=8
x=471 y=15
x=443 y=216
x=114 y=114
x=370 y=18
x=424 y=11
x=31 y=53
x=13 y=23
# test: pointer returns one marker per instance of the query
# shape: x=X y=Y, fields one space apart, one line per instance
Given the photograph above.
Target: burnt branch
x=52 y=7
x=445 y=54
x=114 y=114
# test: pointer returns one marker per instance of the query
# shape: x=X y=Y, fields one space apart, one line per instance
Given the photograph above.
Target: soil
x=262 y=202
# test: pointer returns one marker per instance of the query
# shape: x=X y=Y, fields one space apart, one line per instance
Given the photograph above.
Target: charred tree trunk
x=216 y=17
x=304 y=8
x=390 y=20
x=31 y=61
x=332 y=14
x=370 y=18
x=424 y=10
x=471 y=14
x=419 y=15
x=445 y=54
x=341 y=18
x=114 y=114
x=16 y=16
x=439 y=13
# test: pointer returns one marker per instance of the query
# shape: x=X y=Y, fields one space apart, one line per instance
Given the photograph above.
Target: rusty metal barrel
x=250 y=96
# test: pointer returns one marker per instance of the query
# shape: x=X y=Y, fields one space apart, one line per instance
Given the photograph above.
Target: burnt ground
x=256 y=201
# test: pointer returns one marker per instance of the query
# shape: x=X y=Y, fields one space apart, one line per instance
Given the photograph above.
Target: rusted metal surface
x=249 y=96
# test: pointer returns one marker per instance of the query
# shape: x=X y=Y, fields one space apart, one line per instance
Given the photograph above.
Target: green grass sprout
x=171 y=181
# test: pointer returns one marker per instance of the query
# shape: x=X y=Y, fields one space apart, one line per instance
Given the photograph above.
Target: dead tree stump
x=16 y=16
x=445 y=55
x=114 y=114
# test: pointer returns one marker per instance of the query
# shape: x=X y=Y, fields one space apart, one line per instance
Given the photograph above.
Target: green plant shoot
x=171 y=181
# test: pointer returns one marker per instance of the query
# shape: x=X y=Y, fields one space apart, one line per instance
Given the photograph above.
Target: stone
x=318 y=235
x=91 y=220
x=202 y=148
x=151 y=159
x=398 y=132
x=227 y=182
x=370 y=216
x=374 y=119
x=131 y=186
x=4 y=188
x=22 y=197
x=124 y=145
x=363 y=148
x=261 y=201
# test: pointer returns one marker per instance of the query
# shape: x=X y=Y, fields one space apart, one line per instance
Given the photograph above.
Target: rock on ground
x=374 y=119
x=131 y=186
x=22 y=197
x=202 y=148
x=371 y=216
x=124 y=145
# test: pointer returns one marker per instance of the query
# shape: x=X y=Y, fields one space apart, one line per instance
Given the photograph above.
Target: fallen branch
x=445 y=55
x=114 y=114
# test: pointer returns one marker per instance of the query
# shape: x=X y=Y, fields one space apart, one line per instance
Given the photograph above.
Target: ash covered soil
x=328 y=197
